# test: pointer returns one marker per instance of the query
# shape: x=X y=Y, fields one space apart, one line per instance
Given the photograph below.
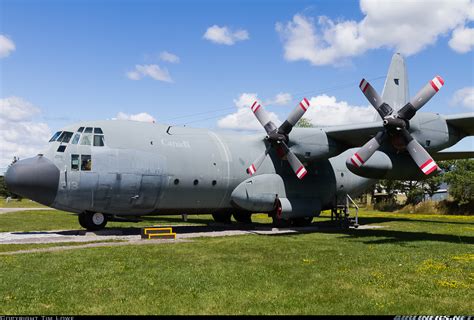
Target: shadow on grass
x=370 y=220
x=383 y=236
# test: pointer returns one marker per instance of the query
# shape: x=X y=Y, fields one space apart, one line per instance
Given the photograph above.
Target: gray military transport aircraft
x=106 y=170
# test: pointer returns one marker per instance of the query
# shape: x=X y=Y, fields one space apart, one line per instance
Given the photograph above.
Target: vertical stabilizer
x=395 y=90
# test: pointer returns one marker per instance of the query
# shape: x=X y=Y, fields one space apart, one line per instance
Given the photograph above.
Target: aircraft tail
x=395 y=91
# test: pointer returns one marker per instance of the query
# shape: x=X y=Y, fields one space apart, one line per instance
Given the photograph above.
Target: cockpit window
x=75 y=140
x=86 y=140
x=65 y=137
x=80 y=129
x=88 y=130
x=86 y=163
x=98 y=140
x=98 y=130
x=55 y=136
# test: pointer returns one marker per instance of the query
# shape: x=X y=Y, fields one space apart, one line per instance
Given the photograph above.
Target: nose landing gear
x=92 y=221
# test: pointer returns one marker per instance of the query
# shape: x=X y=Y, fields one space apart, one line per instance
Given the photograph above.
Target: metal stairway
x=340 y=214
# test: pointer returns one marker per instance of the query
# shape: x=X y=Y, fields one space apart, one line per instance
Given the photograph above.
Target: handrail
x=356 y=207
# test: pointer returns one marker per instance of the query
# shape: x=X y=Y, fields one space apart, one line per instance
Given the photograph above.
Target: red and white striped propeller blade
x=295 y=163
x=263 y=117
x=421 y=98
x=366 y=151
x=258 y=162
x=374 y=98
x=294 y=116
x=421 y=157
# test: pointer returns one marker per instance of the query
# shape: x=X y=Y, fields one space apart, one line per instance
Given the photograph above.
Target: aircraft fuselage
x=147 y=168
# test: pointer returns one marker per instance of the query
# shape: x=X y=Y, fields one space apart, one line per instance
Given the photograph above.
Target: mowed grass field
x=412 y=264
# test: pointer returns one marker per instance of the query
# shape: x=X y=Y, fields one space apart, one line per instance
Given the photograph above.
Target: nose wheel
x=92 y=221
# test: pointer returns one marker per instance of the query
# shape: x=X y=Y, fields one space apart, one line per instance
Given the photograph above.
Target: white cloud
x=223 y=35
x=169 y=57
x=19 y=135
x=6 y=46
x=464 y=97
x=151 y=70
x=134 y=75
x=16 y=109
x=462 y=40
x=281 y=99
x=142 y=116
x=327 y=111
x=405 y=25
x=243 y=118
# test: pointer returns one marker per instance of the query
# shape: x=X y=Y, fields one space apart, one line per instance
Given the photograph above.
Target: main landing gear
x=225 y=217
x=92 y=221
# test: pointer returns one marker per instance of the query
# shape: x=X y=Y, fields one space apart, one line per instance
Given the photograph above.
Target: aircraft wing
x=452 y=155
x=464 y=122
x=353 y=135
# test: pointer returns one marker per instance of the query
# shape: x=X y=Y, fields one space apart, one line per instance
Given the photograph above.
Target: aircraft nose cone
x=35 y=178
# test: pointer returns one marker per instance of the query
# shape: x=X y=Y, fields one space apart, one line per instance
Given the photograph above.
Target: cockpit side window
x=98 y=130
x=65 y=137
x=75 y=140
x=74 y=162
x=86 y=140
x=80 y=129
x=88 y=130
x=98 y=140
x=55 y=136
x=86 y=163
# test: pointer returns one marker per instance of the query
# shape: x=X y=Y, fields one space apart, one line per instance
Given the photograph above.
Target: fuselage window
x=88 y=130
x=80 y=129
x=86 y=140
x=86 y=162
x=65 y=137
x=55 y=136
x=75 y=140
x=98 y=140
x=75 y=162
x=98 y=130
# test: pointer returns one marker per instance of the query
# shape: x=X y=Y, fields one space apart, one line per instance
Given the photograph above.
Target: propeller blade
x=294 y=116
x=421 y=98
x=263 y=117
x=421 y=157
x=295 y=163
x=371 y=94
x=367 y=150
x=258 y=162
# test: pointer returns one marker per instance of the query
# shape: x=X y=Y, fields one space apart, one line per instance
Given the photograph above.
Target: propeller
x=396 y=126
x=278 y=137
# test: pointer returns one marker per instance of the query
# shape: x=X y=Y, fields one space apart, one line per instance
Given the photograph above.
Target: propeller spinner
x=278 y=137
x=397 y=125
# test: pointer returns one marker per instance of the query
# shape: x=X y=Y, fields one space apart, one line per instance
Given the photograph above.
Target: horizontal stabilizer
x=453 y=155
x=463 y=122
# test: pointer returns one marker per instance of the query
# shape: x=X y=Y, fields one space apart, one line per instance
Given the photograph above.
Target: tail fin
x=395 y=91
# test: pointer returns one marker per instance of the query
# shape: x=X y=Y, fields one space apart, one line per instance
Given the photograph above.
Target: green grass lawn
x=415 y=264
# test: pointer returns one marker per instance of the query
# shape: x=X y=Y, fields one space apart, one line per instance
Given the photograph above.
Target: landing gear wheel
x=222 y=217
x=302 y=222
x=243 y=217
x=280 y=223
x=92 y=221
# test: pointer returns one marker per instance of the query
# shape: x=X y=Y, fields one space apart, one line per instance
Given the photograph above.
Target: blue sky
x=72 y=59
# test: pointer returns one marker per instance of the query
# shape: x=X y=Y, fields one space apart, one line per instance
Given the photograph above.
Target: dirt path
x=131 y=236
x=6 y=210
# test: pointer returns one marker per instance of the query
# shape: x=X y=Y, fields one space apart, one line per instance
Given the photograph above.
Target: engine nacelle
x=297 y=208
x=259 y=193
x=383 y=166
x=312 y=143
x=266 y=193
